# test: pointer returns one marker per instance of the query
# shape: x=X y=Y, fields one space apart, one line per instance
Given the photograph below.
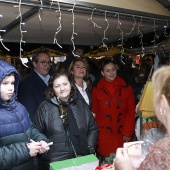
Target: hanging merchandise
x=147 y=123
x=146 y=102
x=147 y=119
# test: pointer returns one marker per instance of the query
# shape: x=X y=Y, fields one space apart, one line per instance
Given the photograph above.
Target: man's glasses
x=44 y=63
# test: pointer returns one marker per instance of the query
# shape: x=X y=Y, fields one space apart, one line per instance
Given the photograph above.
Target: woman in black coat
x=66 y=120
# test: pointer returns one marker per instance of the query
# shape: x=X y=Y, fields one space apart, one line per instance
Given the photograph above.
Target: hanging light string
x=141 y=35
x=73 y=33
x=21 y=31
x=1 y=40
x=134 y=25
x=107 y=27
x=155 y=36
x=2 y=30
x=59 y=27
x=40 y=10
x=94 y=24
x=91 y=18
x=52 y=4
x=122 y=35
x=165 y=28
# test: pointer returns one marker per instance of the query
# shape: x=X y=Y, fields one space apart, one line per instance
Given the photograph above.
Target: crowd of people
x=77 y=111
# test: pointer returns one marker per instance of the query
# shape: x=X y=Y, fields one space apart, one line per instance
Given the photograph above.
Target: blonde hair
x=161 y=84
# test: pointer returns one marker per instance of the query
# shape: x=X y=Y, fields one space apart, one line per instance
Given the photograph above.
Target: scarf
x=70 y=125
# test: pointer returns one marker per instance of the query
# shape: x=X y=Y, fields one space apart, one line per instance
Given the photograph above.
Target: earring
x=161 y=111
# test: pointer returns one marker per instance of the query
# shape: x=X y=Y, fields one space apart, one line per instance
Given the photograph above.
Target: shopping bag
x=88 y=162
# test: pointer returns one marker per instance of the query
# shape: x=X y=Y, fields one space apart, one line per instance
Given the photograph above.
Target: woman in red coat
x=113 y=104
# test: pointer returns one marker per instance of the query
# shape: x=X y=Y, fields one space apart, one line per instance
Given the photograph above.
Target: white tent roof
x=79 y=22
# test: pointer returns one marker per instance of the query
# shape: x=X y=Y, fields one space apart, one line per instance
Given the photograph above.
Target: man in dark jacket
x=32 y=88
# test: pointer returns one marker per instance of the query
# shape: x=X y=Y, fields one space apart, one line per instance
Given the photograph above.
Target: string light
x=40 y=10
x=155 y=36
x=141 y=35
x=2 y=30
x=73 y=33
x=107 y=27
x=91 y=18
x=59 y=27
x=21 y=31
x=52 y=4
x=1 y=40
x=121 y=33
x=165 y=27
x=134 y=24
x=94 y=24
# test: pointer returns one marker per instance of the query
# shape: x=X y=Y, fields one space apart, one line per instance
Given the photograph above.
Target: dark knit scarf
x=71 y=126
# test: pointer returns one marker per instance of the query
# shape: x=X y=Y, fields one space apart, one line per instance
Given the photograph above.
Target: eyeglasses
x=44 y=63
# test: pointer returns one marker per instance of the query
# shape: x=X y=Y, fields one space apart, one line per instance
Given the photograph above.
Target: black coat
x=32 y=92
x=66 y=63
x=49 y=122
x=88 y=94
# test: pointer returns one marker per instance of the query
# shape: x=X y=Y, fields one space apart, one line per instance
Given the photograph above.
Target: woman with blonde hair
x=159 y=154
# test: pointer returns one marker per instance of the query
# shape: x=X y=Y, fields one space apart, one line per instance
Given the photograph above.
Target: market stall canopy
x=51 y=52
x=79 y=22
x=105 y=52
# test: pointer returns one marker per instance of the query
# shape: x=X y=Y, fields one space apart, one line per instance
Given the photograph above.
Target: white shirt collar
x=44 y=78
x=83 y=91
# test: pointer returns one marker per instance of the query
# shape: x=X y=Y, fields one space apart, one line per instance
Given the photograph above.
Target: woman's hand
x=122 y=160
x=94 y=115
x=44 y=147
x=34 y=148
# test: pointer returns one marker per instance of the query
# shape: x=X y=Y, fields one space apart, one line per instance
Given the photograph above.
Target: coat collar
x=117 y=82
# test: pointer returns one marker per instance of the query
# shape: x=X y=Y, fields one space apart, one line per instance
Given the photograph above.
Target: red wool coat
x=115 y=114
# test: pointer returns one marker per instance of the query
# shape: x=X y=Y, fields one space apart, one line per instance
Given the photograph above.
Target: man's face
x=79 y=52
x=43 y=65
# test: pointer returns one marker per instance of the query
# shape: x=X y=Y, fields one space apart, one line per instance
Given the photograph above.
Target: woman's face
x=7 y=87
x=79 y=69
x=62 y=88
x=109 y=72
